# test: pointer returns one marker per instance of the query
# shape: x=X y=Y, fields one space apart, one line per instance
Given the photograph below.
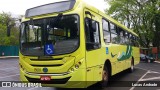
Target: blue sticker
x=107 y=52
x=49 y=49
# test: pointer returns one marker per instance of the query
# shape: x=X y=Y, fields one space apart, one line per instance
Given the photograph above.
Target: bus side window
x=92 y=34
x=114 y=34
x=121 y=35
x=136 y=43
x=106 y=32
x=127 y=38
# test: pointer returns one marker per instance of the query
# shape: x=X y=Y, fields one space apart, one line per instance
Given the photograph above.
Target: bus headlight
x=72 y=69
x=76 y=66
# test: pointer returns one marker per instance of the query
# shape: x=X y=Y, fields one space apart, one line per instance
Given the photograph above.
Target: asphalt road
x=9 y=71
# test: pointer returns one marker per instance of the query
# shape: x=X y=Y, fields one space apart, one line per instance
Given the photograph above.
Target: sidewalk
x=6 y=57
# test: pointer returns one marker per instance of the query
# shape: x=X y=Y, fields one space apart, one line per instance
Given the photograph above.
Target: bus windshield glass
x=50 y=36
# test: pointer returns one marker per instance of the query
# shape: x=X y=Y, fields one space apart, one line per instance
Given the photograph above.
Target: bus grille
x=55 y=65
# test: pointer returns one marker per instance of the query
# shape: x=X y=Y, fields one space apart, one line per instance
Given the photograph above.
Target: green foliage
x=7 y=21
x=143 y=16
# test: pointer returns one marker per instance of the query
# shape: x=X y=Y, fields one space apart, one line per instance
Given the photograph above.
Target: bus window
x=113 y=28
x=105 y=25
x=135 y=41
x=126 y=38
x=92 y=36
x=106 y=32
x=130 y=35
x=121 y=35
x=114 y=34
x=115 y=38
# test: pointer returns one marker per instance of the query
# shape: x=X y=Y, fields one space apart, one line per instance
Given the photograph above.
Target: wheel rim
x=105 y=76
x=149 y=61
x=132 y=66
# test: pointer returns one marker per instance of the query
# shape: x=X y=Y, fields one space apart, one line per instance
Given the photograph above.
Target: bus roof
x=92 y=8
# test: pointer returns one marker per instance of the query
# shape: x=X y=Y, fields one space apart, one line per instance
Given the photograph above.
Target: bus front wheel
x=105 y=77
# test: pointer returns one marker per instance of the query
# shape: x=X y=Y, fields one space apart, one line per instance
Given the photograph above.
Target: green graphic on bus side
x=124 y=55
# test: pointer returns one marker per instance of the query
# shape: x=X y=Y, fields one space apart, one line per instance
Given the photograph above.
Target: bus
x=72 y=44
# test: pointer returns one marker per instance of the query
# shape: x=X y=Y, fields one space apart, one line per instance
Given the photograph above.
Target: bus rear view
x=50 y=49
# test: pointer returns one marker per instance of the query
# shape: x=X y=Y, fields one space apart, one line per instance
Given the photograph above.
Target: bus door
x=93 y=45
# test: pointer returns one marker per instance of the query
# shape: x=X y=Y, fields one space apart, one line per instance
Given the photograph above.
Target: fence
x=9 y=50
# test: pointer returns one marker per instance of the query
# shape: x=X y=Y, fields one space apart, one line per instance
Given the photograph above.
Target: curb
x=6 y=57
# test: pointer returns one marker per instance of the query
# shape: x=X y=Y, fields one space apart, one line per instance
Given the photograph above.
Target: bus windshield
x=50 y=36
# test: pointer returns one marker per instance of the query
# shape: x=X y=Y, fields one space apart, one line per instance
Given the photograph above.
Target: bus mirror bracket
x=87 y=12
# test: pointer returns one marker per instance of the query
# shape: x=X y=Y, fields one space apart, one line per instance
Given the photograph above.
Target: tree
x=143 y=16
x=6 y=21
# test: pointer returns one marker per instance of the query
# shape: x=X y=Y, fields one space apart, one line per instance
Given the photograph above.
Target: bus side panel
x=136 y=55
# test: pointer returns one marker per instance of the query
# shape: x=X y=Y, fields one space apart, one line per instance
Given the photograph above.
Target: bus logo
x=113 y=55
x=45 y=70
x=125 y=55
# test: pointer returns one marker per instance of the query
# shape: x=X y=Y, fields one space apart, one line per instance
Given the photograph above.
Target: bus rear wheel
x=105 y=77
x=131 y=69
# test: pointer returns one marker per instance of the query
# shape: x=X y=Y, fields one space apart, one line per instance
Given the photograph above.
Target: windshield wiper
x=57 y=19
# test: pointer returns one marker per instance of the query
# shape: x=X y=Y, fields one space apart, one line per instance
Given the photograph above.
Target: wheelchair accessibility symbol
x=49 y=50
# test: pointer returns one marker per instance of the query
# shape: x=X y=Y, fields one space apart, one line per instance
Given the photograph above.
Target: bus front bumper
x=76 y=79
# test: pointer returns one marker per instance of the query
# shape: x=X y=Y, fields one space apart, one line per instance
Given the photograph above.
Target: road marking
x=149 y=71
x=139 y=80
x=154 y=72
x=52 y=88
x=32 y=88
x=157 y=61
x=141 y=68
x=9 y=76
x=154 y=78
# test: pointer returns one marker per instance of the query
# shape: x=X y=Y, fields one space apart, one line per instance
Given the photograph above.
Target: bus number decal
x=107 y=51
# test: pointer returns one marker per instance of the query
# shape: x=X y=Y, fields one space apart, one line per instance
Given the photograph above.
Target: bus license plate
x=45 y=78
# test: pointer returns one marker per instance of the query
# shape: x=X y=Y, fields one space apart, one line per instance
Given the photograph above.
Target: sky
x=18 y=7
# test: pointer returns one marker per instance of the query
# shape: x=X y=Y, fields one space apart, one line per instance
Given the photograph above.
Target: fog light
x=72 y=69
x=76 y=66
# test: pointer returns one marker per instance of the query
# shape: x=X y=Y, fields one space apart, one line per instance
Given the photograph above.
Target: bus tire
x=131 y=69
x=105 y=77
